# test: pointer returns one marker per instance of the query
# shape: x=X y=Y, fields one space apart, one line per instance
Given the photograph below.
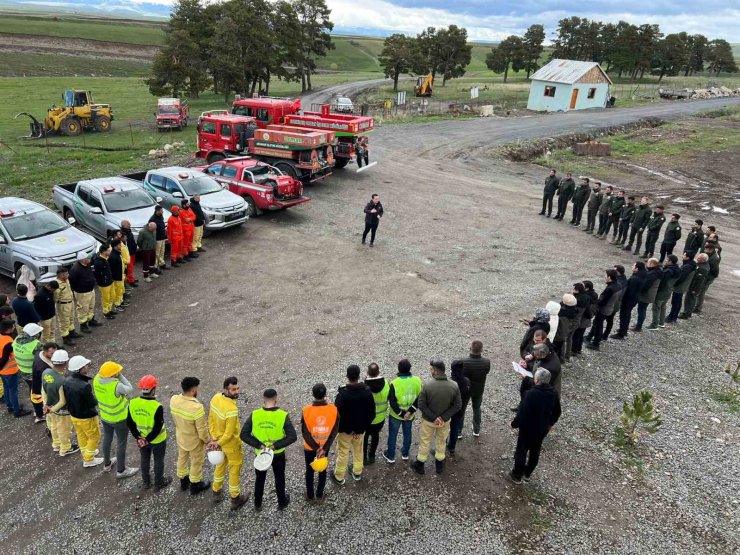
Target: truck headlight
x=43 y=270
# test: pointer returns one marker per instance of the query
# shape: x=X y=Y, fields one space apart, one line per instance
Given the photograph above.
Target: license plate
x=235 y=216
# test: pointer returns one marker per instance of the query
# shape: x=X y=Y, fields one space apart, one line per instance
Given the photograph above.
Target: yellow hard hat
x=110 y=369
x=319 y=465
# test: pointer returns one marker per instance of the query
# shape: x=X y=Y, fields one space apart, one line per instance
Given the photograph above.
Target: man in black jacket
x=199 y=223
x=356 y=408
x=543 y=357
x=625 y=217
x=538 y=412
x=580 y=197
x=565 y=191
x=83 y=408
x=594 y=201
x=605 y=307
x=639 y=223
x=158 y=219
x=653 y=232
x=710 y=249
x=373 y=213
x=648 y=292
x=631 y=295
x=476 y=368
x=45 y=306
x=680 y=287
x=671 y=273
x=670 y=237
x=695 y=239
x=82 y=281
x=551 y=185
x=614 y=209
x=104 y=279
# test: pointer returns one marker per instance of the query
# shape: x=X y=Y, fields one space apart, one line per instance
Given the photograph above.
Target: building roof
x=566 y=71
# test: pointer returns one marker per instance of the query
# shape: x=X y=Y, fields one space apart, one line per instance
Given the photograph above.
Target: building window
x=592 y=92
x=550 y=91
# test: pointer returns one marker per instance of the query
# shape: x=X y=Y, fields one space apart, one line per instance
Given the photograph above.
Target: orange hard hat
x=175 y=208
x=148 y=382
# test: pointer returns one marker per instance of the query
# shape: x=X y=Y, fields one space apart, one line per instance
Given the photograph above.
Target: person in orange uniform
x=319 y=428
x=188 y=230
x=174 y=235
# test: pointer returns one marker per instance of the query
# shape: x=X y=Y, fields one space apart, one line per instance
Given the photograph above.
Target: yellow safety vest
x=112 y=407
x=142 y=412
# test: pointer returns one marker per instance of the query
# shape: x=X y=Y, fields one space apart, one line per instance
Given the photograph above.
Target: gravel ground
x=292 y=298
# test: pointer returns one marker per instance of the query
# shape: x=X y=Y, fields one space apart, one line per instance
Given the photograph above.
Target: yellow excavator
x=423 y=85
x=78 y=113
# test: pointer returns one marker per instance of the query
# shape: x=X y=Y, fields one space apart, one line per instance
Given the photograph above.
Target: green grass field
x=17 y=64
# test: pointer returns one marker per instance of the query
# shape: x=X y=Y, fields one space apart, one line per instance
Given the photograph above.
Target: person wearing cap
x=188 y=229
x=132 y=247
x=145 y=421
x=191 y=432
x=403 y=395
x=270 y=427
x=538 y=412
x=653 y=232
x=710 y=249
x=41 y=362
x=147 y=244
x=439 y=401
x=9 y=369
x=318 y=428
x=112 y=391
x=223 y=424
x=476 y=368
x=356 y=408
x=198 y=223
x=695 y=239
x=23 y=309
x=670 y=237
x=82 y=282
x=25 y=346
x=175 y=237
x=104 y=279
x=379 y=387
x=44 y=304
x=118 y=272
x=64 y=298
x=161 y=236
x=83 y=408
x=58 y=419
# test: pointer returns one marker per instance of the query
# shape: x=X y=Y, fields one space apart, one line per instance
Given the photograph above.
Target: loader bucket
x=37 y=128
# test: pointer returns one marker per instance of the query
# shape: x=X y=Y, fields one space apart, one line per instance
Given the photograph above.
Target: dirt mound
x=16 y=42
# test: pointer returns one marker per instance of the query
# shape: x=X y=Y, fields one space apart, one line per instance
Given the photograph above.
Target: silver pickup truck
x=34 y=236
x=100 y=205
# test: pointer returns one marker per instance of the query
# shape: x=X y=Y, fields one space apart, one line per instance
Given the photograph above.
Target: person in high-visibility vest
x=145 y=420
x=319 y=428
x=191 y=432
x=112 y=390
x=9 y=369
x=380 y=388
x=223 y=423
x=270 y=427
x=41 y=363
x=58 y=419
x=402 y=398
x=25 y=346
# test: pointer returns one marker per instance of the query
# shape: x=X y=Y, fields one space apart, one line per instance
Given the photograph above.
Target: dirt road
x=292 y=298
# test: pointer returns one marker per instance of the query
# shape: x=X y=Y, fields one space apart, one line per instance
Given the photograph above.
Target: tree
x=672 y=55
x=532 y=48
x=177 y=68
x=452 y=52
x=639 y=414
x=399 y=55
x=314 y=28
x=697 y=45
x=251 y=46
x=720 y=57
x=509 y=53
x=648 y=37
x=427 y=46
x=226 y=68
x=608 y=38
x=286 y=44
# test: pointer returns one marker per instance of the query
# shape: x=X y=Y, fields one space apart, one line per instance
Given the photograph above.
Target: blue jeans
x=10 y=384
x=456 y=426
x=393 y=426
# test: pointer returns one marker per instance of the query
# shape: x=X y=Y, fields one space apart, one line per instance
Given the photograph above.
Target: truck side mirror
x=96 y=210
x=159 y=199
x=71 y=221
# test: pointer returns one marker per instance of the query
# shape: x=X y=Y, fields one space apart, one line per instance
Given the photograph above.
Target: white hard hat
x=60 y=356
x=263 y=460
x=32 y=329
x=77 y=363
x=215 y=457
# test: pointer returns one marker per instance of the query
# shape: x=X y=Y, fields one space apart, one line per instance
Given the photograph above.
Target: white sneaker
x=127 y=472
x=108 y=467
x=155 y=276
x=95 y=462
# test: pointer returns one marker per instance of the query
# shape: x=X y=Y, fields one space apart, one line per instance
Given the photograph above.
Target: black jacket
x=130 y=242
x=551 y=363
x=81 y=278
x=373 y=218
x=356 y=408
x=375 y=385
x=463 y=384
x=672 y=233
x=650 y=285
x=551 y=184
x=102 y=271
x=591 y=308
x=161 y=227
x=44 y=304
x=81 y=402
x=200 y=217
x=538 y=412
x=634 y=286
x=116 y=265
x=567 y=188
x=25 y=313
x=642 y=216
x=607 y=301
x=566 y=322
x=626 y=213
x=694 y=242
x=622 y=282
x=528 y=338
x=476 y=369
x=655 y=223
x=684 y=278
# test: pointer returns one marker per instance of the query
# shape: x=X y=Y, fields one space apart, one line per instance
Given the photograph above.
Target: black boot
x=94 y=323
x=85 y=328
x=199 y=487
x=74 y=335
x=184 y=483
x=418 y=466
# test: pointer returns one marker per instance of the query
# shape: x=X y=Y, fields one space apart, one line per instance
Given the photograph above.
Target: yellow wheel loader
x=78 y=113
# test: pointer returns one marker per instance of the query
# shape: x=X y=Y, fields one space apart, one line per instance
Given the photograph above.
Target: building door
x=573 y=98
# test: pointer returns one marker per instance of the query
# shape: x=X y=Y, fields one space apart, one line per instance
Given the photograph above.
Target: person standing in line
x=318 y=428
x=614 y=209
x=631 y=297
x=457 y=371
x=605 y=307
x=476 y=368
x=104 y=279
x=44 y=304
x=648 y=292
x=639 y=223
x=580 y=197
x=551 y=186
x=112 y=390
x=198 y=223
x=161 y=236
x=710 y=249
x=270 y=427
x=41 y=363
x=82 y=281
x=188 y=230
x=402 y=398
x=373 y=213
x=145 y=421
x=653 y=232
x=694 y=240
x=604 y=211
x=9 y=369
x=622 y=282
x=25 y=313
x=439 y=401
x=356 y=408
x=625 y=217
x=688 y=267
x=538 y=412
x=58 y=419
x=223 y=424
x=670 y=276
x=64 y=298
x=566 y=188
x=191 y=432
x=175 y=237
x=543 y=357
x=147 y=246
x=83 y=408
x=591 y=298
x=379 y=388
x=132 y=252
x=593 y=203
x=697 y=282
x=118 y=272
x=25 y=347
x=670 y=237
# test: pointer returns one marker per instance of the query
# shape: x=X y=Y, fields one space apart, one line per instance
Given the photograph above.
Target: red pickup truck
x=262 y=186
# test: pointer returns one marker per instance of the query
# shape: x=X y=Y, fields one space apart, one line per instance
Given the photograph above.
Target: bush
x=637 y=418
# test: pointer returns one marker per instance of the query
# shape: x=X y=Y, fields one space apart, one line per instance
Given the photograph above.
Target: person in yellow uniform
x=223 y=423
x=55 y=405
x=65 y=307
x=83 y=408
x=191 y=432
x=270 y=427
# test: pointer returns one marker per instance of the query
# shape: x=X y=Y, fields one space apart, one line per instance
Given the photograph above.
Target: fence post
x=131 y=132
x=82 y=129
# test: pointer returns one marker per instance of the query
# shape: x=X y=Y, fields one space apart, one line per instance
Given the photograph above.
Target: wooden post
x=82 y=130
x=131 y=131
x=46 y=140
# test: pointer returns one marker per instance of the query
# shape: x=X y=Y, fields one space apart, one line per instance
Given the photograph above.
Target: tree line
x=240 y=46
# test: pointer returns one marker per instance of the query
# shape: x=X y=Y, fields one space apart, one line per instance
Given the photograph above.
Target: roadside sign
x=474 y=92
x=401 y=98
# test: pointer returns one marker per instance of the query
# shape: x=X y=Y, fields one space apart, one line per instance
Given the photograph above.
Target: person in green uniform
x=639 y=223
x=670 y=237
x=551 y=186
x=653 y=232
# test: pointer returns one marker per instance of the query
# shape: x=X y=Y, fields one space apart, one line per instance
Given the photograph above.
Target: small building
x=564 y=85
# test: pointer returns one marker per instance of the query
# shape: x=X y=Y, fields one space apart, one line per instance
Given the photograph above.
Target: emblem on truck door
x=265 y=136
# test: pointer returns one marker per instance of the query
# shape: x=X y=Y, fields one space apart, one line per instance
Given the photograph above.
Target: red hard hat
x=148 y=382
